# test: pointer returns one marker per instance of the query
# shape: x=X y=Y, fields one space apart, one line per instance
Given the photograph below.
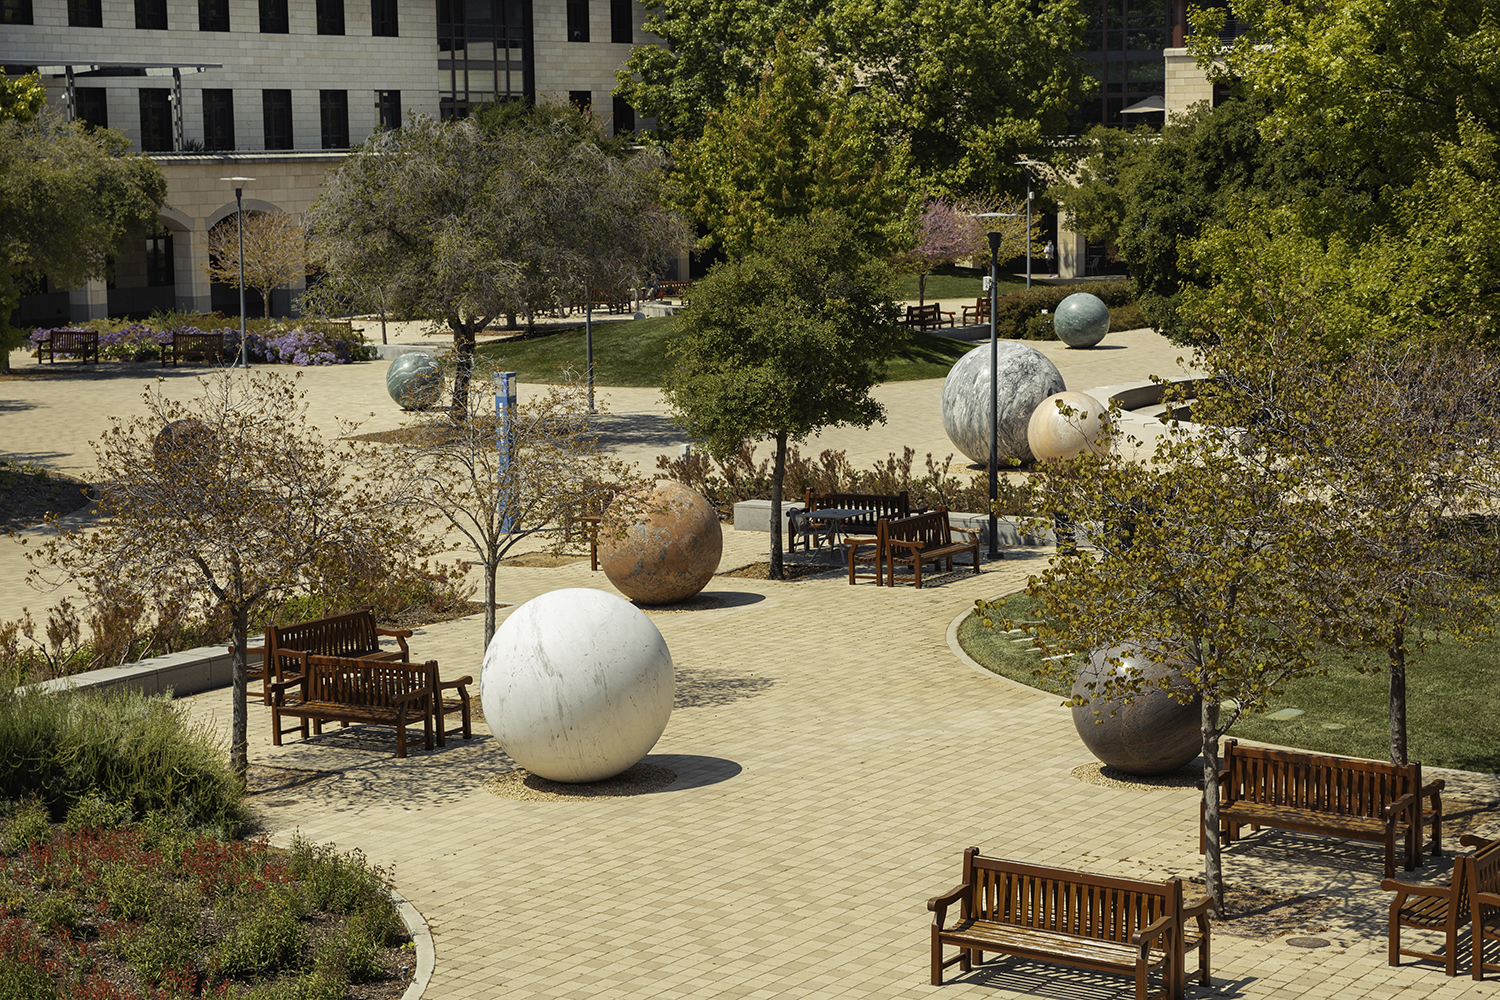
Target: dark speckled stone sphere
x=1151 y=734
x=415 y=380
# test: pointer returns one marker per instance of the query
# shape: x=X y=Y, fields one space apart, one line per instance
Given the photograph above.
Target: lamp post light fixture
x=239 y=218
x=995 y=235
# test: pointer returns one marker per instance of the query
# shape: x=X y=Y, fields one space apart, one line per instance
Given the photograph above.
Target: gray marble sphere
x=1024 y=377
x=414 y=380
x=1081 y=320
x=1154 y=732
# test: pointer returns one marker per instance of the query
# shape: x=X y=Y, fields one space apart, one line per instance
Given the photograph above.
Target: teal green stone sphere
x=1081 y=320
x=414 y=380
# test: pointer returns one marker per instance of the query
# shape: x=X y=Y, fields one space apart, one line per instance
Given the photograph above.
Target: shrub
x=93 y=812
x=1013 y=310
x=27 y=825
x=342 y=883
x=55 y=911
x=268 y=938
x=130 y=749
x=23 y=962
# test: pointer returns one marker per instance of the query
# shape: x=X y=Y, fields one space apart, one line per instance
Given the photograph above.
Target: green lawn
x=634 y=353
x=1453 y=700
x=955 y=283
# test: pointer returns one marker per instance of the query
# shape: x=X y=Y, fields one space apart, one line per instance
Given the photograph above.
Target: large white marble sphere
x=1054 y=436
x=1025 y=378
x=577 y=685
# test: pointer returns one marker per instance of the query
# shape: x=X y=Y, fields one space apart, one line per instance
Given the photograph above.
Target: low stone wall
x=187 y=672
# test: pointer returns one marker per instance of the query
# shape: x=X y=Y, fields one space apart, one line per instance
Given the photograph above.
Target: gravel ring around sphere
x=1095 y=773
x=638 y=779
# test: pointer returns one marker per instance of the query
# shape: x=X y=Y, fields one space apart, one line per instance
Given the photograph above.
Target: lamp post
x=1026 y=166
x=239 y=218
x=995 y=235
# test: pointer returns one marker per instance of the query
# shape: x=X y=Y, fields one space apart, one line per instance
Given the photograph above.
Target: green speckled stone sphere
x=414 y=380
x=1081 y=320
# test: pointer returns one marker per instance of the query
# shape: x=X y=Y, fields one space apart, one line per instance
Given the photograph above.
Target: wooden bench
x=925 y=538
x=927 y=316
x=979 y=312
x=82 y=345
x=674 y=290
x=1338 y=796
x=1068 y=917
x=1441 y=908
x=208 y=346
x=342 y=689
x=803 y=522
x=1483 y=880
x=353 y=635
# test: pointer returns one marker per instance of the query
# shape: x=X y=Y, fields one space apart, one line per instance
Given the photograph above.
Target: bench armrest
x=1158 y=928
x=1470 y=840
x=410 y=697
x=399 y=633
x=1433 y=787
x=1487 y=898
x=277 y=687
x=973 y=534
x=939 y=904
x=903 y=543
x=456 y=682
x=1436 y=889
x=1198 y=908
x=1405 y=803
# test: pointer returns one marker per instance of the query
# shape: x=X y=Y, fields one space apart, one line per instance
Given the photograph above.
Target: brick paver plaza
x=834 y=758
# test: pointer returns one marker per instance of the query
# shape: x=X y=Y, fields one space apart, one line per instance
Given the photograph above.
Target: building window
x=330 y=17
x=276 y=106
x=92 y=107
x=160 y=268
x=151 y=15
x=213 y=15
x=484 y=53
x=156 y=120
x=388 y=108
x=273 y=17
x=333 y=109
x=15 y=11
x=624 y=116
x=85 y=14
x=383 y=18
x=578 y=20
x=218 y=119
x=583 y=100
x=621 y=28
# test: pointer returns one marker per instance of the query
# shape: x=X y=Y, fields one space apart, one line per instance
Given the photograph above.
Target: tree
x=786 y=340
x=22 y=98
x=967 y=84
x=556 y=471
x=69 y=197
x=799 y=143
x=461 y=226
x=276 y=253
x=1398 y=438
x=1205 y=557
x=948 y=233
x=232 y=491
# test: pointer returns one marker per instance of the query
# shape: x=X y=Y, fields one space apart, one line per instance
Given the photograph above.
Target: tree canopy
x=966 y=85
x=784 y=341
x=459 y=225
x=70 y=196
x=798 y=143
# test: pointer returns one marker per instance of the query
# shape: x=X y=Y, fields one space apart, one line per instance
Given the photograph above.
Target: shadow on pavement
x=693 y=770
x=630 y=430
x=716 y=688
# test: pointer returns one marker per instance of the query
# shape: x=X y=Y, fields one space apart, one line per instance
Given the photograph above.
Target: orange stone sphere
x=661 y=547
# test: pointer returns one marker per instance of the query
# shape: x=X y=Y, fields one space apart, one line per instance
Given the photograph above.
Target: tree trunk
x=1213 y=868
x=463 y=349
x=922 y=289
x=1398 y=695
x=778 y=472
x=239 y=753
x=490 y=567
x=382 y=325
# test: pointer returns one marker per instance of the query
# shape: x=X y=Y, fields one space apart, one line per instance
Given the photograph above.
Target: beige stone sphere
x=1053 y=436
x=661 y=547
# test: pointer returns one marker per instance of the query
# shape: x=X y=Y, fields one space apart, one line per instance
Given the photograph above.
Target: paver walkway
x=833 y=757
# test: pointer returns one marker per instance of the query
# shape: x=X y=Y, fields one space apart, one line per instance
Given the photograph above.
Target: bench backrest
x=1482 y=874
x=1059 y=899
x=1343 y=786
x=883 y=504
x=366 y=683
x=197 y=341
x=73 y=340
x=931 y=310
x=929 y=530
x=351 y=634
